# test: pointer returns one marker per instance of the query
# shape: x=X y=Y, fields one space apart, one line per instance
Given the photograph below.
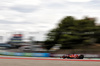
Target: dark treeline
x=72 y=33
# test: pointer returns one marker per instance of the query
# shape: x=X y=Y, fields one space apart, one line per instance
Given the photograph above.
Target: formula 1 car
x=72 y=56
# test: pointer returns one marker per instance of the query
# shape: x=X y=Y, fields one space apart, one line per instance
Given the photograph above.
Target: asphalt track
x=27 y=61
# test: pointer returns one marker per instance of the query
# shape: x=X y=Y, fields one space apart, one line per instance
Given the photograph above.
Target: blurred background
x=56 y=27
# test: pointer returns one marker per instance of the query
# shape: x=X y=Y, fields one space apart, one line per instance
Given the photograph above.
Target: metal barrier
x=26 y=54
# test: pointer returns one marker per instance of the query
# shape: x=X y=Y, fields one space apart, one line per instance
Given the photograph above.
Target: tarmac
x=27 y=61
x=22 y=62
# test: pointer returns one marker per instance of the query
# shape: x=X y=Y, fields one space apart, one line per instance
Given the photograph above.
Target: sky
x=37 y=17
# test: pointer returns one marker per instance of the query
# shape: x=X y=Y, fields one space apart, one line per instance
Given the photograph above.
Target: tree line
x=72 y=33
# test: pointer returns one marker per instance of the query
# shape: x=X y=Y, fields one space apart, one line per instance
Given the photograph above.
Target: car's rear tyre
x=81 y=57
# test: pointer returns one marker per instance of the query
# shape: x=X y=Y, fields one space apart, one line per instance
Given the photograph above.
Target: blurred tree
x=72 y=33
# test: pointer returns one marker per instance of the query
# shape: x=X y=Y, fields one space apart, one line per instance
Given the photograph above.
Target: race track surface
x=35 y=61
x=22 y=62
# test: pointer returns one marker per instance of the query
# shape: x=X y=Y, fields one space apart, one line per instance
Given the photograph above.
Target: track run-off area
x=35 y=61
x=41 y=58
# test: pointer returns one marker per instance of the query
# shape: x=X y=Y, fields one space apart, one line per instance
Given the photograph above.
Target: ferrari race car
x=73 y=56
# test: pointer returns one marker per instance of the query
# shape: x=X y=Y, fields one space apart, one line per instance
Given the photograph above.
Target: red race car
x=73 y=56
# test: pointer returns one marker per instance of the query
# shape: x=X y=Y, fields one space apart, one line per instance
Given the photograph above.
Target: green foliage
x=72 y=32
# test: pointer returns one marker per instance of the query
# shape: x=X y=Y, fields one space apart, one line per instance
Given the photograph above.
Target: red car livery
x=73 y=56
